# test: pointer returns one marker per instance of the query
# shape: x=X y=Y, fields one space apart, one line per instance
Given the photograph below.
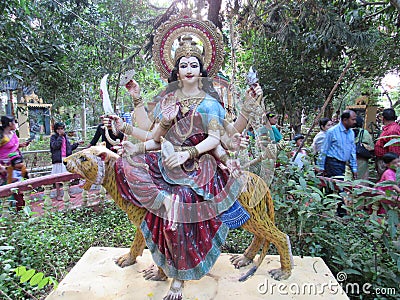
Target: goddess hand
x=253 y=94
x=233 y=166
x=107 y=121
x=127 y=148
x=169 y=108
x=176 y=159
x=238 y=141
x=133 y=88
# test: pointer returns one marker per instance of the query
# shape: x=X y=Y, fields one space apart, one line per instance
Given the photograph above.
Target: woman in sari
x=9 y=142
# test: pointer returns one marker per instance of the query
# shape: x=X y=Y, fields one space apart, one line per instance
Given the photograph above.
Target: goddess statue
x=190 y=194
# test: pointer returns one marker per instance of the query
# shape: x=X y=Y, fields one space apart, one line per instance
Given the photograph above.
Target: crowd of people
x=344 y=151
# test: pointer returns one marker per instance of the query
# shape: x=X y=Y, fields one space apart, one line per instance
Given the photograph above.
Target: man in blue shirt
x=339 y=147
x=127 y=117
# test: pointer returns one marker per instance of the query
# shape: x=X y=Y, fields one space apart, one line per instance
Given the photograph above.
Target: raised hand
x=253 y=94
x=169 y=108
x=239 y=142
x=233 y=166
x=133 y=88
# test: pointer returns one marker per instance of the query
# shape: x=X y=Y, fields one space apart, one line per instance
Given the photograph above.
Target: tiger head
x=92 y=164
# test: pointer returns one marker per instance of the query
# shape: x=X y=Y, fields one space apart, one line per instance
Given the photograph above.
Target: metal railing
x=39 y=170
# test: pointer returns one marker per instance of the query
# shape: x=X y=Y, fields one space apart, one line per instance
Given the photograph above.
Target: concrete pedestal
x=97 y=277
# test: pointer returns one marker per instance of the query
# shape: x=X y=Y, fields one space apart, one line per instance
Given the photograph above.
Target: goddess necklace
x=187 y=103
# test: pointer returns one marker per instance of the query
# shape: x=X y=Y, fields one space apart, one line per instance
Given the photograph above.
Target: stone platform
x=97 y=277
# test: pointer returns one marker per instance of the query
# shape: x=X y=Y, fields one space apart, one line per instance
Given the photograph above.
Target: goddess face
x=189 y=70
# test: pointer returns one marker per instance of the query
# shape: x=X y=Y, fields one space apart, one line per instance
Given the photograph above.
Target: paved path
x=37 y=202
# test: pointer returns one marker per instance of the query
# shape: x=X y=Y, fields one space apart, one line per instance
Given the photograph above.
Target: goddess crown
x=187 y=48
x=187 y=30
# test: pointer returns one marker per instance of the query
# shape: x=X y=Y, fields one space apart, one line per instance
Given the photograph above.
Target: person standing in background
x=365 y=138
x=100 y=132
x=324 y=125
x=301 y=154
x=276 y=135
x=338 y=149
x=390 y=127
x=60 y=148
x=127 y=116
x=16 y=172
x=9 y=142
x=392 y=163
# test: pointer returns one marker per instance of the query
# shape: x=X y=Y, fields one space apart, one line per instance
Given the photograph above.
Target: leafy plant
x=362 y=245
x=34 y=278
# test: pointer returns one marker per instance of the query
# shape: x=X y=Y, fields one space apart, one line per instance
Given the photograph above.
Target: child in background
x=298 y=140
x=17 y=170
x=392 y=162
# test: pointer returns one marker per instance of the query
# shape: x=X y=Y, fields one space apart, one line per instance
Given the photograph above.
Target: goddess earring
x=180 y=85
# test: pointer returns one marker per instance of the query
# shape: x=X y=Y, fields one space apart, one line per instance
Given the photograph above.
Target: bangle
x=165 y=124
x=127 y=129
x=193 y=152
x=142 y=148
x=138 y=101
x=224 y=158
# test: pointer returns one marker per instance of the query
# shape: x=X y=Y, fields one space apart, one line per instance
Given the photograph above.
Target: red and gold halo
x=205 y=31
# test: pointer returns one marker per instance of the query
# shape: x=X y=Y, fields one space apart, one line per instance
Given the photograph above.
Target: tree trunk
x=396 y=4
x=214 y=6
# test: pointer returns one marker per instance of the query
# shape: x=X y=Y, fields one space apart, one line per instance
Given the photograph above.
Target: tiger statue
x=96 y=165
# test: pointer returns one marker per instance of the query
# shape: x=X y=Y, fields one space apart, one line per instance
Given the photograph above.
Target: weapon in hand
x=108 y=110
x=252 y=81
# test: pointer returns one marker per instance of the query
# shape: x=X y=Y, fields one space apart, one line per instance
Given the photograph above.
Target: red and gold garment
x=204 y=191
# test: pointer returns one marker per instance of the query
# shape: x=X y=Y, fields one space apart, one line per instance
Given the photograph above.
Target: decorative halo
x=205 y=32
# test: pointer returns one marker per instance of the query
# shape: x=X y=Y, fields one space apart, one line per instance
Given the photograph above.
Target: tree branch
x=377 y=13
x=396 y=4
x=365 y=3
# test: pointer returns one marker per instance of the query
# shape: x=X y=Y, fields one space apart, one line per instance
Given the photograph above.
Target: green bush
x=53 y=244
x=363 y=246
